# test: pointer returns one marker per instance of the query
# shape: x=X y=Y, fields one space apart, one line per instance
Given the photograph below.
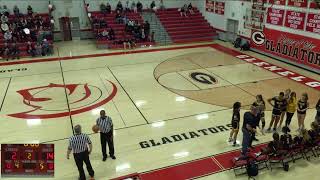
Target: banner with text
x=277 y=2
x=275 y=16
x=295 y=20
x=298 y=3
x=219 y=8
x=209 y=6
x=292 y=47
x=313 y=23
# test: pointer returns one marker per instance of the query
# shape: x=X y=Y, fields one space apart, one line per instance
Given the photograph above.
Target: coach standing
x=249 y=121
x=106 y=135
x=80 y=145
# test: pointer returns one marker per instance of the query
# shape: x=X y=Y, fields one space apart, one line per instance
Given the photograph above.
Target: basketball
x=95 y=128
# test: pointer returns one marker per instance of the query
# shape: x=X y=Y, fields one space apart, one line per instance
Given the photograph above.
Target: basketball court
x=171 y=107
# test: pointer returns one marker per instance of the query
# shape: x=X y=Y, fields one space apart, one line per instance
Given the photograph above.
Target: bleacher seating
x=119 y=29
x=23 y=45
x=193 y=28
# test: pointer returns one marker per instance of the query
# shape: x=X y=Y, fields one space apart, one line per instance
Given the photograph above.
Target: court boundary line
x=128 y=96
x=5 y=94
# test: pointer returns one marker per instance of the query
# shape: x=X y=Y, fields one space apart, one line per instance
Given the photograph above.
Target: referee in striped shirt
x=106 y=135
x=80 y=145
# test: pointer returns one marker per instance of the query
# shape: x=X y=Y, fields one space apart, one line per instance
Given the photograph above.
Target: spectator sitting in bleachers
x=7 y=36
x=108 y=8
x=38 y=48
x=125 y=19
x=103 y=23
x=129 y=26
x=139 y=6
x=14 y=51
x=111 y=34
x=130 y=43
x=4 y=18
x=29 y=10
x=190 y=9
x=31 y=49
x=119 y=7
x=118 y=17
x=183 y=11
x=46 y=50
x=16 y=11
x=134 y=7
x=4 y=27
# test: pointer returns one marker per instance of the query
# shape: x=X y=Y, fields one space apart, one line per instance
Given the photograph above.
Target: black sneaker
x=104 y=158
x=113 y=157
x=255 y=139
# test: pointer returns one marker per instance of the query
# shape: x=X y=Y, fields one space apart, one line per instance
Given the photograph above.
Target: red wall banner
x=277 y=2
x=295 y=20
x=275 y=16
x=313 y=5
x=219 y=8
x=292 y=47
x=209 y=5
x=313 y=23
x=298 y=3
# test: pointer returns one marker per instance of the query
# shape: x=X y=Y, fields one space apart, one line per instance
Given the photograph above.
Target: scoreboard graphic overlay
x=27 y=160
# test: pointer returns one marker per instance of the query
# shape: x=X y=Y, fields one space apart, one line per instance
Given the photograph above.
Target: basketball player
x=291 y=109
x=284 y=110
x=303 y=105
x=235 y=123
x=261 y=108
x=278 y=104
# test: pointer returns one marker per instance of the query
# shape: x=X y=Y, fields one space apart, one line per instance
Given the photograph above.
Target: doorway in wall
x=65 y=27
x=232 y=30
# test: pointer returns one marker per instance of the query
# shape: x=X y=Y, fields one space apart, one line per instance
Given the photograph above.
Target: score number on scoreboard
x=25 y=160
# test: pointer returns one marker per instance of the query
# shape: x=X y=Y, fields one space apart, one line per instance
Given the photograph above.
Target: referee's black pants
x=80 y=158
x=104 y=139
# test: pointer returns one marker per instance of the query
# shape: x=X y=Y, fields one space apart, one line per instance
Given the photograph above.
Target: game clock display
x=26 y=160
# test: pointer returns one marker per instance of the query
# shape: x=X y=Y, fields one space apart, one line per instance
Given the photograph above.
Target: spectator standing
x=127 y=8
x=134 y=7
x=14 y=51
x=81 y=146
x=139 y=6
x=106 y=134
x=108 y=8
x=103 y=8
x=190 y=9
x=29 y=10
x=16 y=11
x=119 y=7
x=5 y=10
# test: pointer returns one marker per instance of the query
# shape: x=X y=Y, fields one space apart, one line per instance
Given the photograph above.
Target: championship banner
x=277 y=2
x=298 y=3
x=210 y=6
x=295 y=20
x=292 y=47
x=275 y=16
x=219 y=8
x=313 y=23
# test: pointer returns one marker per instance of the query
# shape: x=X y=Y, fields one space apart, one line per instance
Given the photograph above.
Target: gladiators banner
x=292 y=47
